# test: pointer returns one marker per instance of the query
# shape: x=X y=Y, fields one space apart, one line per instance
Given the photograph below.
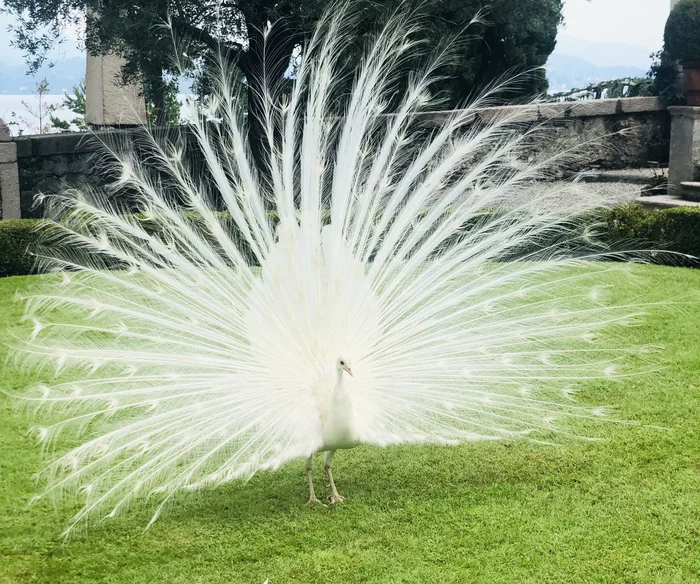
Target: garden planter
x=691 y=82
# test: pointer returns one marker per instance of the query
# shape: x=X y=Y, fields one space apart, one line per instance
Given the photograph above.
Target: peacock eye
x=342 y=362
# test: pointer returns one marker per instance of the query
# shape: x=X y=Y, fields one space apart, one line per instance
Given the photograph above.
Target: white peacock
x=364 y=292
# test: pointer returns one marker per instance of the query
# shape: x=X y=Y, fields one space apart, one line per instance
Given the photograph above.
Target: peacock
x=388 y=276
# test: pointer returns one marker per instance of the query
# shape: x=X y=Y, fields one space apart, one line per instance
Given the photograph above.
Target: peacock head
x=343 y=364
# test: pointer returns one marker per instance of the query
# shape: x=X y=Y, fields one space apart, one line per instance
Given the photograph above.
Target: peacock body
x=363 y=290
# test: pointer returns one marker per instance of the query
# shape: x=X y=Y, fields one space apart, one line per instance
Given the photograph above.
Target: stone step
x=614 y=177
x=665 y=202
x=690 y=191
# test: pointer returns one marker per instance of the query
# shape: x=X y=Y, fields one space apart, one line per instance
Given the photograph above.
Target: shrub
x=20 y=237
x=666 y=83
x=676 y=230
x=17 y=237
x=682 y=35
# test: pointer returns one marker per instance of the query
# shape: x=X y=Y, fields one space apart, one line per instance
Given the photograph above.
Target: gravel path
x=607 y=188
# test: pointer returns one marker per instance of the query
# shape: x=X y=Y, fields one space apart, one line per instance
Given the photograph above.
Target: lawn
x=625 y=509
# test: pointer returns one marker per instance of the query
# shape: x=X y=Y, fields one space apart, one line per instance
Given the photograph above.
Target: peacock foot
x=316 y=500
x=336 y=498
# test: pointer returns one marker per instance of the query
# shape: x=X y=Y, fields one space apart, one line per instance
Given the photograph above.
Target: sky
x=13 y=56
x=633 y=22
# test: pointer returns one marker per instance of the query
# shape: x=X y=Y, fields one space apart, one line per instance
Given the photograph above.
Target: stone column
x=109 y=103
x=684 y=158
x=9 y=175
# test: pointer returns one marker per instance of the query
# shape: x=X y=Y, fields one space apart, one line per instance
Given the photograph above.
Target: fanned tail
x=187 y=342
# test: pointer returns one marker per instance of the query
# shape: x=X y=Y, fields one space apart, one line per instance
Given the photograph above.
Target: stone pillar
x=684 y=158
x=107 y=101
x=9 y=175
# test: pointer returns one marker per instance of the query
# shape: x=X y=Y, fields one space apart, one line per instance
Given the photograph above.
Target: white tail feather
x=188 y=366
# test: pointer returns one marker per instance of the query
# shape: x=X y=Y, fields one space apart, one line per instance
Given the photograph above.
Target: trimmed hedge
x=676 y=230
x=682 y=34
x=20 y=237
x=17 y=236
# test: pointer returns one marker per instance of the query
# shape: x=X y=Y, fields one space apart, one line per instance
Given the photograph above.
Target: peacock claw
x=313 y=500
x=336 y=498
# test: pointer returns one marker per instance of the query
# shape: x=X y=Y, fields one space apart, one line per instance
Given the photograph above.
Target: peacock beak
x=349 y=371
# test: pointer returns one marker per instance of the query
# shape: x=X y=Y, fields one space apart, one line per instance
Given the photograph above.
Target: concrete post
x=9 y=175
x=107 y=101
x=684 y=158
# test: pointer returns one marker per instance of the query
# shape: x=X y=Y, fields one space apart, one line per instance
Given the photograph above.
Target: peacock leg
x=312 y=495
x=328 y=464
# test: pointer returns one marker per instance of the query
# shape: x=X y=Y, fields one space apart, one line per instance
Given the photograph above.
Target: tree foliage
x=515 y=35
x=682 y=33
x=666 y=81
x=41 y=119
x=74 y=102
x=518 y=34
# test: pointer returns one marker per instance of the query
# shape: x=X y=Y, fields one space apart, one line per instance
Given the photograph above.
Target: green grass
x=622 y=510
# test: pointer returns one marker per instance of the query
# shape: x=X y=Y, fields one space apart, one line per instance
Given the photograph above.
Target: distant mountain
x=565 y=72
x=604 y=54
x=575 y=63
x=63 y=75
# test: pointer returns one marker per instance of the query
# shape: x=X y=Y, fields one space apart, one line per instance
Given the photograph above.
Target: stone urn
x=691 y=82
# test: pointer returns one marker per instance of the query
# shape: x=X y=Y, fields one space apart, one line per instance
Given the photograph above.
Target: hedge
x=20 y=237
x=17 y=236
x=676 y=230
x=682 y=33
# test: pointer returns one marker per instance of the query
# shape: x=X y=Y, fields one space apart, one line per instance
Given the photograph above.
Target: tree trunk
x=159 y=103
x=156 y=94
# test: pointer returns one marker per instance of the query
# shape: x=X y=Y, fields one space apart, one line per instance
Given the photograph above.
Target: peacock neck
x=338 y=425
x=339 y=397
x=339 y=385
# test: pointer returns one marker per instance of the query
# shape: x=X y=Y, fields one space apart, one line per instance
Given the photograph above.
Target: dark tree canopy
x=520 y=34
x=682 y=33
x=517 y=36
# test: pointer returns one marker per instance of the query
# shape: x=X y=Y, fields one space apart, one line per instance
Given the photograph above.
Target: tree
x=666 y=81
x=116 y=26
x=521 y=35
x=518 y=36
x=41 y=120
x=76 y=104
x=167 y=113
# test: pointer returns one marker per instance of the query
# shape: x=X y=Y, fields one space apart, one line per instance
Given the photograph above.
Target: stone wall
x=48 y=162
x=606 y=133
x=613 y=133
x=51 y=162
x=9 y=183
